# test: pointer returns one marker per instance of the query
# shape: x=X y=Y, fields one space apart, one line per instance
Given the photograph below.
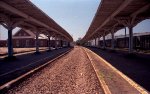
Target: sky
x=75 y=16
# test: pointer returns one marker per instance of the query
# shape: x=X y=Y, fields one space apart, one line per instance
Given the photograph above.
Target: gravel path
x=72 y=74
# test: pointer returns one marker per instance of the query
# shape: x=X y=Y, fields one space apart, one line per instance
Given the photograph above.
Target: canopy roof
x=114 y=13
x=29 y=17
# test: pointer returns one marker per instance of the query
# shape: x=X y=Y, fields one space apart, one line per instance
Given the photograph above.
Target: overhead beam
x=140 y=10
x=120 y=8
x=20 y=13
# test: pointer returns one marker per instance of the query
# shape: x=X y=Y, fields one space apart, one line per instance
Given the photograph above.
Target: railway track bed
x=78 y=72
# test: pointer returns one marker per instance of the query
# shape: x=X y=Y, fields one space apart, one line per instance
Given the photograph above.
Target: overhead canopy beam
x=140 y=10
x=120 y=8
x=20 y=13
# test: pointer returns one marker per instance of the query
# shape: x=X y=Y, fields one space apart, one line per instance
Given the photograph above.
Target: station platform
x=25 y=62
x=136 y=66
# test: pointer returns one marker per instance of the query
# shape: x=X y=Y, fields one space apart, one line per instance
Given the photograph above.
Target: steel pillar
x=61 y=42
x=112 y=40
x=10 y=44
x=130 y=39
x=49 y=44
x=95 y=42
x=55 y=43
x=37 y=42
x=104 y=41
x=125 y=37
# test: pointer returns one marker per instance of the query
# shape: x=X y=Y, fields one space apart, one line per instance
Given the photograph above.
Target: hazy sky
x=75 y=16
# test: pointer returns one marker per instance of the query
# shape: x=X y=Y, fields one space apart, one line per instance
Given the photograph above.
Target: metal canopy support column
x=99 y=41
x=130 y=39
x=49 y=44
x=112 y=41
x=55 y=42
x=10 y=24
x=61 y=42
x=95 y=42
x=103 y=41
x=10 y=44
x=129 y=22
x=125 y=37
x=37 y=42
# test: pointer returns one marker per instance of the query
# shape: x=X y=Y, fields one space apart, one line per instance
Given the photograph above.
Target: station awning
x=113 y=14
x=30 y=16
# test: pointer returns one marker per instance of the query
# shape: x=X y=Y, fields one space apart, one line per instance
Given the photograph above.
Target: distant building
x=26 y=38
x=134 y=34
x=3 y=43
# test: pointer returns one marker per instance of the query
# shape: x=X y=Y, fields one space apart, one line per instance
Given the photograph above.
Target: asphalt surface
x=12 y=69
x=136 y=67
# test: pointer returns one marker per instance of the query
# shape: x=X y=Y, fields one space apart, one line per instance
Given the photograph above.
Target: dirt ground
x=72 y=74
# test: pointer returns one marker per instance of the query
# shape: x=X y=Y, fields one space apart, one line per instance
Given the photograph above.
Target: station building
x=26 y=38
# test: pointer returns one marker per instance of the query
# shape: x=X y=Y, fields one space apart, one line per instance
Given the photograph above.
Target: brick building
x=26 y=38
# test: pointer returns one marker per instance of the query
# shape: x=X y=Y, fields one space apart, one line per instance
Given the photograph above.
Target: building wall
x=25 y=43
x=3 y=43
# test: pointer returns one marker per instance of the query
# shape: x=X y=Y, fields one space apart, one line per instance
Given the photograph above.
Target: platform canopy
x=26 y=15
x=117 y=14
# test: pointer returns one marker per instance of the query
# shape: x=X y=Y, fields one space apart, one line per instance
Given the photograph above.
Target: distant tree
x=78 y=42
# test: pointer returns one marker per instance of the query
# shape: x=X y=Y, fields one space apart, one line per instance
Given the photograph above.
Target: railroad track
x=104 y=85
x=11 y=83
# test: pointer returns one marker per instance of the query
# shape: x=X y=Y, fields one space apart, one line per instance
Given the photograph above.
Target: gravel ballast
x=71 y=74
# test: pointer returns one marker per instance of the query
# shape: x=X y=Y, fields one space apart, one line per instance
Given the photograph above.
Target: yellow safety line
x=100 y=77
x=131 y=82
